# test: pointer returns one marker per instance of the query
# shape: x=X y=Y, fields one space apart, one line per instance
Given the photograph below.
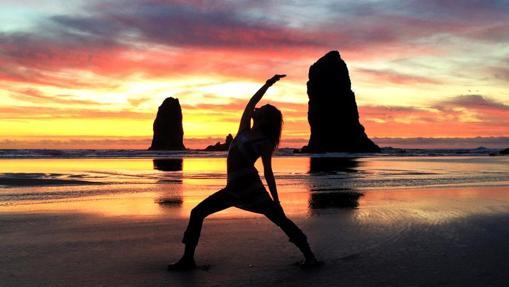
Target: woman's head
x=269 y=120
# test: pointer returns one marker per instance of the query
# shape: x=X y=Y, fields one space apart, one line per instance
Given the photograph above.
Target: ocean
x=136 y=182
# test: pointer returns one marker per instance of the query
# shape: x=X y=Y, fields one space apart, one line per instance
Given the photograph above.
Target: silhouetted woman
x=244 y=188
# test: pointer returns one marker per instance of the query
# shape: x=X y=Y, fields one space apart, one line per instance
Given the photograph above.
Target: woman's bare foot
x=310 y=263
x=182 y=265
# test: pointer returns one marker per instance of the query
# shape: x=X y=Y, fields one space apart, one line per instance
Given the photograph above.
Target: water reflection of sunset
x=172 y=187
x=432 y=205
x=70 y=165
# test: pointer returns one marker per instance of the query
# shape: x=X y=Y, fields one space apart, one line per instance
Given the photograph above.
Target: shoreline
x=48 y=154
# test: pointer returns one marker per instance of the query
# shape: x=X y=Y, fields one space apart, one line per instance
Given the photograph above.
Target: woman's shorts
x=247 y=191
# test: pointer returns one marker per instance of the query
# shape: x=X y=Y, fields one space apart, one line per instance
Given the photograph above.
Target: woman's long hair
x=270 y=123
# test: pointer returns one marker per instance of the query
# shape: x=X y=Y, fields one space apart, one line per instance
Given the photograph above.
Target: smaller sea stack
x=168 y=130
x=221 y=146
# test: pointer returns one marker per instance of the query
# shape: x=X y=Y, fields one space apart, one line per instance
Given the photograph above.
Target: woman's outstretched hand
x=275 y=78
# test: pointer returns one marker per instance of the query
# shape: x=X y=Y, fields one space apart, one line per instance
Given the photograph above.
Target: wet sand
x=435 y=236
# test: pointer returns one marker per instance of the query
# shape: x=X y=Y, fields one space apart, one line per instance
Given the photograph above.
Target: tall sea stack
x=332 y=110
x=168 y=131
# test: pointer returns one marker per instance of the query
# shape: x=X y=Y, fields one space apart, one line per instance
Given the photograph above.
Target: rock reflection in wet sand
x=334 y=199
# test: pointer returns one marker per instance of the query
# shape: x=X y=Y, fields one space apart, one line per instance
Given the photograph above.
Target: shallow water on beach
x=172 y=186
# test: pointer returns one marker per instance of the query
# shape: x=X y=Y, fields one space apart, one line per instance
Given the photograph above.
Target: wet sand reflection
x=339 y=199
x=168 y=164
x=307 y=186
x=170 y=198
x=333 y=165
x=323 y=196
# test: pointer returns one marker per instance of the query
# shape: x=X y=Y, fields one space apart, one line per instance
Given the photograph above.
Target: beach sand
x=435 y=236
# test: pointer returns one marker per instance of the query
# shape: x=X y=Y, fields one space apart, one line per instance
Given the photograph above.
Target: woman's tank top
x=244 y=150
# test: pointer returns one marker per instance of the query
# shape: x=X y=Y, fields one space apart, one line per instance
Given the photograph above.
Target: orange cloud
x=35 y=96
x=462 y=116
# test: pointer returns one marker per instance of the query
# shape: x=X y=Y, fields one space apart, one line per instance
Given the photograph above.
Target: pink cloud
x=36 y=112
x=393 y=77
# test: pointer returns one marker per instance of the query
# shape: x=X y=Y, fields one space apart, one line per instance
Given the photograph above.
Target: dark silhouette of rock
x=168 y=164
x=221 y=146
x=335 y=199
x=505 y=151
x=168 y=131
x=332 y=110
x=330 y=165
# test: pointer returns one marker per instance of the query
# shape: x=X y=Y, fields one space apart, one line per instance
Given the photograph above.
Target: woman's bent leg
x=214 y=203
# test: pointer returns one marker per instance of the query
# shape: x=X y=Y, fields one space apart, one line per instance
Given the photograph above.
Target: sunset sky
x=91 y=74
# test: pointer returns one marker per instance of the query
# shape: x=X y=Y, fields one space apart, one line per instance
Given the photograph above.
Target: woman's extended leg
x=214 y=203
x=260 y=202
x=296 y=236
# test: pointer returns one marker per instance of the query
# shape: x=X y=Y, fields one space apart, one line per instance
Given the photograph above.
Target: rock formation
x=332 y=110
x=168 y=131
x=505 y=151
x=221 y=147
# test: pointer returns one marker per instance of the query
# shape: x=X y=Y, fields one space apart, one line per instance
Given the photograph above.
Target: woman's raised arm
x=245 y=120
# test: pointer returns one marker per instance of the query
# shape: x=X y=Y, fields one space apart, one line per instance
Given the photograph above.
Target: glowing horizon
x=98 y=70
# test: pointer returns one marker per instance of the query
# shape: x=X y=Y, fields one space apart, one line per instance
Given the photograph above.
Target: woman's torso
x=244 y=150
